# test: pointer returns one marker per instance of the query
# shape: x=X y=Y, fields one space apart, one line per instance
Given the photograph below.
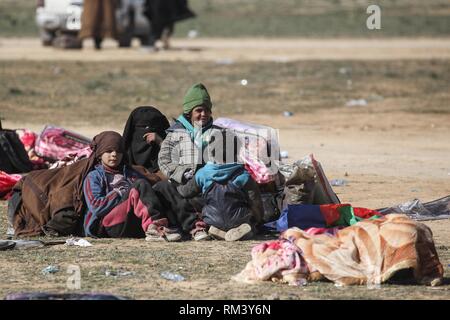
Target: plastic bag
x=260 y=153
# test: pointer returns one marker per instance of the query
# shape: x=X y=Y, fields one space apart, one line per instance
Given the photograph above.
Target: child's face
x=112 y=158
x=200 y=116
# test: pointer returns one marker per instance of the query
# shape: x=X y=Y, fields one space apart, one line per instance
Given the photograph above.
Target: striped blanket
x=368 y=252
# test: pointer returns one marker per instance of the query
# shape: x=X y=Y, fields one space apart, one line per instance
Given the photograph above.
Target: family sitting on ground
x=161 y=182
x=188 y=181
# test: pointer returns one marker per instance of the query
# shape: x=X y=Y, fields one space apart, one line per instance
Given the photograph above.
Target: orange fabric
x=372 y=251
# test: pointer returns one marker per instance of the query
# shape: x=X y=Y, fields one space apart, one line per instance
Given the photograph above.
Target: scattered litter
x=284 y=154
x=280 y=59
x=6 y=245
x=244 y=82
x=344 y=70
x=26 y=244
x=416 y=210
x=356 y=102
x=56 y=70
x=287 y=114
x=78 y=242
x=349 y=84
x=172 y=276
x=50 y=270
x=225 y=61
x=338 y=182
x=119 y=273
x=192 y=34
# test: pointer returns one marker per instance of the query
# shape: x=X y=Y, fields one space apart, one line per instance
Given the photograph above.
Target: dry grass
x=207 y=273
x=97 y=93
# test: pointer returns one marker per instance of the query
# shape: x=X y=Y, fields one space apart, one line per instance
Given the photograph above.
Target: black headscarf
x=141 y=121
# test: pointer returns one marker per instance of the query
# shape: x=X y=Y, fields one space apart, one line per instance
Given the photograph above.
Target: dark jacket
x=231 y=196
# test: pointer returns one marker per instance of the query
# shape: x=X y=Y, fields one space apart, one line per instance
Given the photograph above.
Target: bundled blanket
x=369 y=252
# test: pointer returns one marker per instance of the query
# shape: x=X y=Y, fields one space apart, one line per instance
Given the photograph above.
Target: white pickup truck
x=63 y=17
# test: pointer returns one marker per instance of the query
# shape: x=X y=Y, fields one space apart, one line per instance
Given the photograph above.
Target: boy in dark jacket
x=233 y=206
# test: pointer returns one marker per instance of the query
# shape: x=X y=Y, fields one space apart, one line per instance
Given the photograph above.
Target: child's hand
x=122 y=190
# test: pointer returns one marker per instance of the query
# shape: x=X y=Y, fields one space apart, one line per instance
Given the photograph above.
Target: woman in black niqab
x=141 y=122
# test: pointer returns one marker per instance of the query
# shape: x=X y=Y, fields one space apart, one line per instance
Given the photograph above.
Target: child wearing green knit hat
x=197 y=95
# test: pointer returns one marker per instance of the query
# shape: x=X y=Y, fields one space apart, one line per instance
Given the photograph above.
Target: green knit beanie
x=195 y=96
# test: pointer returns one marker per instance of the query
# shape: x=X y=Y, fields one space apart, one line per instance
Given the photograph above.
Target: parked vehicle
x=62 y=18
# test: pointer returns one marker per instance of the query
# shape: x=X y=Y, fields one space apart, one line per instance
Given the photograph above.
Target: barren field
x=395 y=148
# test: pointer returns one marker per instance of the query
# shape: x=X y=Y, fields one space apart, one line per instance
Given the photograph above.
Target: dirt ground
x=388 y=156
x=225 y=50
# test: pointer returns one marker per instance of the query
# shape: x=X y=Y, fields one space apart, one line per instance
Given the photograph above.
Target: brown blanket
x=369 y=252
x=46 y=192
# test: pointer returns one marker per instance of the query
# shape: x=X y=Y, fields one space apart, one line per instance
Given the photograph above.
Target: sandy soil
x=226 y=50
x=386 y=157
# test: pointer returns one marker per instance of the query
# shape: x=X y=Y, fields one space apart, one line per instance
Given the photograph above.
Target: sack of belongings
x=14 y=158
x=306 y=183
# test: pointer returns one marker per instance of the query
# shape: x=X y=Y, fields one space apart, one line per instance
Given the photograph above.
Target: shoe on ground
x=153 y=238
x=171 y=235
x=155 y=233
x=238 y=233
x=216 y=233
x=201 y=235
